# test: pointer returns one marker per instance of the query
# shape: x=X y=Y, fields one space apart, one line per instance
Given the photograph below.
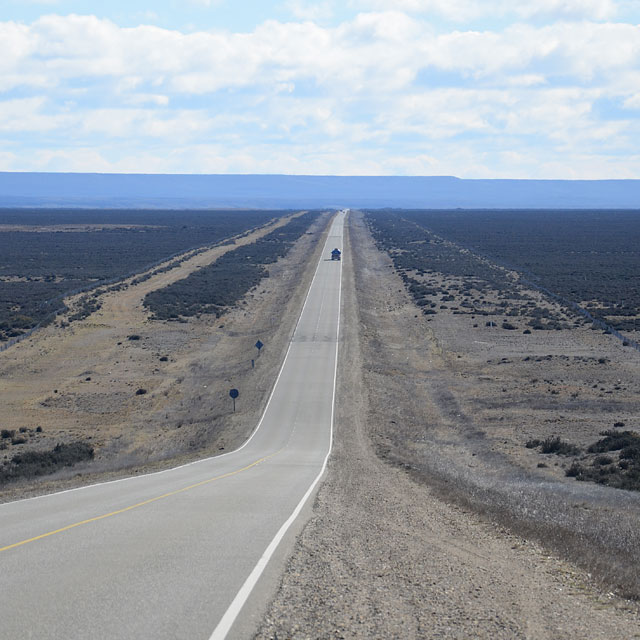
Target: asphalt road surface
x=175 y=554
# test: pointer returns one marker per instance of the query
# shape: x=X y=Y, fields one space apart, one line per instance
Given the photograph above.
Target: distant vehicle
x=335 y=254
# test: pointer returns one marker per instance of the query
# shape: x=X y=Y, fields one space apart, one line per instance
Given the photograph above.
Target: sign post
x=234 y=393
x=259 y=346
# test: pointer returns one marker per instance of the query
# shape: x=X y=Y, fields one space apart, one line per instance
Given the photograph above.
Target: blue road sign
x=259 y=345
x=234 y=393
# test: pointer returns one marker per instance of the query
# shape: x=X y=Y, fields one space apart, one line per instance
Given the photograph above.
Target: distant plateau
x=157 y=191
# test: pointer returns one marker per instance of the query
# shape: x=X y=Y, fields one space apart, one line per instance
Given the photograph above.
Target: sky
x=490 y=89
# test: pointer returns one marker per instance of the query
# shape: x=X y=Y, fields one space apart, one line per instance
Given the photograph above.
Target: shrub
x=37 y=463
x=558 y=446
x=623 y=473
x=615 y=441
x=631 y=453
x=575 y=471
x=141 y=392
x=553 y=445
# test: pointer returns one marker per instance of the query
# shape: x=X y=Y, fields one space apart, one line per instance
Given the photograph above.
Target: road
x=175 y=554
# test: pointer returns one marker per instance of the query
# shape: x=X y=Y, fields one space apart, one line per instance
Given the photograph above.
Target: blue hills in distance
x=177 y=191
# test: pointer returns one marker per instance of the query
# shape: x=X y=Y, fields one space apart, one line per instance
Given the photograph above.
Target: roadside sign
x=234 y=393
x=259 y=346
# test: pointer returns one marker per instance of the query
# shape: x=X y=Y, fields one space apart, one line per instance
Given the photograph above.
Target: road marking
x=231 y=614
x=241 y=597
x=138 y=504
x=210 y=458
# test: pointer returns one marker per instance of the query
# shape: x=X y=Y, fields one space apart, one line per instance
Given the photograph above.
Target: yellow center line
x=137 y=505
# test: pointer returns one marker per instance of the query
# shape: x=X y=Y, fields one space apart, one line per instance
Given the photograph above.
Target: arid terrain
x=435 y=520
x=83 y=382
x=408 y=537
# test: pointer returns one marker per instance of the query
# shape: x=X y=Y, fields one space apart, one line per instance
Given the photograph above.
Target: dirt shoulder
x=81 y=382
x=384 y=556
x=457 y=399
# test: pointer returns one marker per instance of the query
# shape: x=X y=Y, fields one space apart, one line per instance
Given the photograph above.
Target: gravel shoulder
x=384 y=555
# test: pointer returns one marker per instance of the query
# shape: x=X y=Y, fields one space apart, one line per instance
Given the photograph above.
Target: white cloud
x=124 y=123
x=148 y=98
x=17 y=45
x=526 y=80
x=444 y=113
x=27 y=115
x=632 y=102
x=383 y=92
x=74 y=159
x=378 y=52
x=327 y=158
x=8 y=160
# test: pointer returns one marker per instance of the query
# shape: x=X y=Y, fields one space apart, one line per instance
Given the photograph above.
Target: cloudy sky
x=476 y=89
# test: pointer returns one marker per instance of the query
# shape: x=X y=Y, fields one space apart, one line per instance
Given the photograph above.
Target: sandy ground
x=80 y=382
x=384 y=556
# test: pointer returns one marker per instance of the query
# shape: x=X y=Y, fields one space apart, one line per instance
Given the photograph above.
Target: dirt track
x=384 y=556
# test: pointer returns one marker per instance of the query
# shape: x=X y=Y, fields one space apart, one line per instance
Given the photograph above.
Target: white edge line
x=230 y=615
x=222 y=455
